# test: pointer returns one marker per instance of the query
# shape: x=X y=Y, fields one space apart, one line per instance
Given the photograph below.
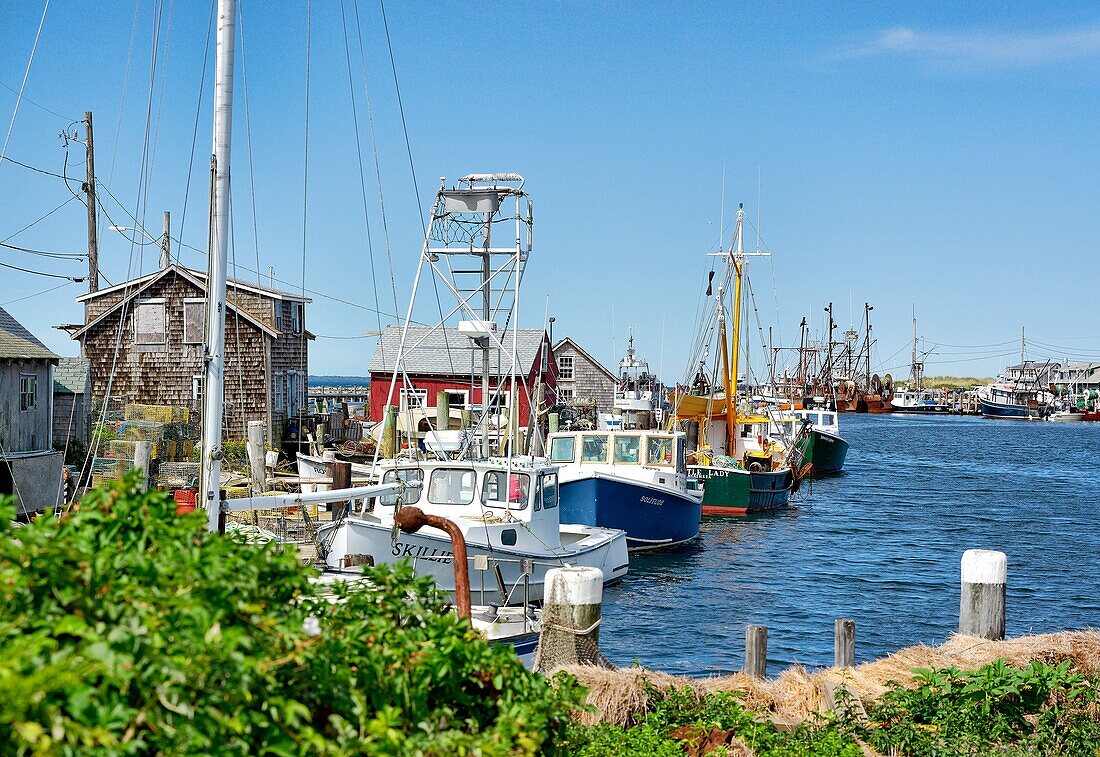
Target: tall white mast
x=214 y=369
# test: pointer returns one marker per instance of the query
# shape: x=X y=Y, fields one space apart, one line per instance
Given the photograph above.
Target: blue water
x=880 y=543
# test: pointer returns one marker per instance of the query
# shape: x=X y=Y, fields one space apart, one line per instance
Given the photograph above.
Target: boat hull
x=429 y=552
x=991 y=409
x=919 y=409
x=653 y=518
x=732 y=491
x=826 y=453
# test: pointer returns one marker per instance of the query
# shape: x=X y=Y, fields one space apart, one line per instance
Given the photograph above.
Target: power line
x=35 y=104
x=39 y=220
x=37 y=169
x=26 y=75
x=37 y=294
x=68 y=255
x=43 y=273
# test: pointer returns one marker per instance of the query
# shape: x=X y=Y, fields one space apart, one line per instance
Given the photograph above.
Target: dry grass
x=620 y=696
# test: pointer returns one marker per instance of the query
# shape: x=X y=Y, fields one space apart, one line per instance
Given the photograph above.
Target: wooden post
x=389 y=433
x=90 y=194
x=982 y=605
x=166 y=242
x=572 y=603
x=467 y=418
x=341 y=479
x=844 y=643
x=143 y=458
x=756 y=651
x=535 y=440
x=442 y=410
x=255 y=447
x=321 y=429
x=553 y=422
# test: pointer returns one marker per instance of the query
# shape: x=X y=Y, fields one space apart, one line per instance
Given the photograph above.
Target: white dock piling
x=982 y=605
x=572 y=603
x=255 y=447
x=143 y=459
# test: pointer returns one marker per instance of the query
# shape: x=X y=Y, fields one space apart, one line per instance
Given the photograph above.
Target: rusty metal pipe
x=411 y=519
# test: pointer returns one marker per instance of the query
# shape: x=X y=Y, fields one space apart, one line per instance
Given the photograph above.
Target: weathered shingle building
x=71 y=391
x=29 y=467
x=143 y=340
x=581 y=376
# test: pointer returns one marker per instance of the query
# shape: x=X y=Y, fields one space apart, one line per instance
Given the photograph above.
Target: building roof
x=71 y=375
x=447 y=352
x=587 y=356
x=248 y=286
x=139 y=286
x=16 y=343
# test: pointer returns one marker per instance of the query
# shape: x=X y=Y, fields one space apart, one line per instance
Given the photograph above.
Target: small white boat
x=1067 y=416
x=507 y=512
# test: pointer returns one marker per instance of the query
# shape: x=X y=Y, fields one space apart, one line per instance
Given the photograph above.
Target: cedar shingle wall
x=588 y=380
x=163 y=375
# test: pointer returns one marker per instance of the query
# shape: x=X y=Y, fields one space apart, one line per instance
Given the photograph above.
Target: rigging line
x=37 y=220
x=69 y=255
x=26 y=75
x=412 y=173
x=36 y=294
x=125 y=86
x=40 y=106
x=163 y=77
x=236 y=320
x=362 y=178
x=248 y=142
x=377 y=164
x=146 y=156
x=35 y=168
x=42 y=273
x=195 y=128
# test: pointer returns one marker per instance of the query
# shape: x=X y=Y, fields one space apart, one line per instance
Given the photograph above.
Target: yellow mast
x=731 y=378
x=731 y=407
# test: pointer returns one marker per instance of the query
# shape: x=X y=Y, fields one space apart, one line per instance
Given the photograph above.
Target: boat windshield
x=627 y=448
x=410 y=496
x=563 y=449
x=452 y=486
x=492 y=490
x=659 y=450
x=548 y=490
x=594 y=448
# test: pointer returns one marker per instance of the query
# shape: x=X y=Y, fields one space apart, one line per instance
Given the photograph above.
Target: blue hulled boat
x=635 y=479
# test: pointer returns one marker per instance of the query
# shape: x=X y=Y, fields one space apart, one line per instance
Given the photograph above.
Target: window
x=297 y=313
x=280 y=391
x=627 y=448
x=499 y=401
x=194 y=321
x=413 y=398
x=564 y=394
x=565 y=367
x=828 y=419
x=410 y=496
x=562 y=449
x=681 y=458
x=451 y=486
x=28 y=392
x=659 y=450
x=196 y=387
x=594 y=448
x=149 y=322
x=549 y=485
x=493 y=490
x=458 y=399
x=278 y=315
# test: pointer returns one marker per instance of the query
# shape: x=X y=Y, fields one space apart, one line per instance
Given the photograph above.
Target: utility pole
x=165 y=242
x=89 y=191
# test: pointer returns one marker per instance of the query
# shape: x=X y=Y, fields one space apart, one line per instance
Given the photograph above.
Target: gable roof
x=448 y=352
x=200 y=276
x=587 y=356
x=16 y=343
x=71 y=375
x=145 y=282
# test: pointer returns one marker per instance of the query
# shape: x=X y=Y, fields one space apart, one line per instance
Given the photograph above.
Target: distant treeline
x=954 y=382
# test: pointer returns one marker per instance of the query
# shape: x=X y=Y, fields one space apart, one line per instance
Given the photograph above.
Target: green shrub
x=128 y=630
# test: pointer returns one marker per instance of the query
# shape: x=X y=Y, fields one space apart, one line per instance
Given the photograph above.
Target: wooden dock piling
x=143 y=459
x=844 y=643
x=982 y=604
x=255 y=447
x=756 y=651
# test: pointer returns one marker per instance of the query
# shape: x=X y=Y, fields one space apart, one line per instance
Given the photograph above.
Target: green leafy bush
x=128 y=630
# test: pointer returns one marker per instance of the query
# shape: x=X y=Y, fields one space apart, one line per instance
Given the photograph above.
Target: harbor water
x=880 y=543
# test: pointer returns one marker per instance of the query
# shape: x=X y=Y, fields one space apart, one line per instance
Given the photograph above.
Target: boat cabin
x=626 y=448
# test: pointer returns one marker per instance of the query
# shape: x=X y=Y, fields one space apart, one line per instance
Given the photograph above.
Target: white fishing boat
x=639 y=395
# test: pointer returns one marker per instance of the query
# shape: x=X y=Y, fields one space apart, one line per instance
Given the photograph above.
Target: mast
x=729 y=387
x=738 y=267
x=867 y=308
x=214 y=369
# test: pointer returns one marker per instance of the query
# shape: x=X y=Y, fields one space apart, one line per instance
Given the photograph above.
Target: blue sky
x=936 y=157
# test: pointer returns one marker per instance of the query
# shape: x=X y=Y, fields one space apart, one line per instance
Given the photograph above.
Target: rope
x=299 y=385
x=26 y=75
x=248 y=142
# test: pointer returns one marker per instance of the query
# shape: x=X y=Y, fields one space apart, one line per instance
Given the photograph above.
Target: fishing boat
x=632 y=480
x=862 y=391
x=915 y=398
x=638 y=395
x=825 y=449
x=737 y=463
x=505 y=503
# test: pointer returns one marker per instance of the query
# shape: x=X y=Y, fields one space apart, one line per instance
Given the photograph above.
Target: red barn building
x=445 y=359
